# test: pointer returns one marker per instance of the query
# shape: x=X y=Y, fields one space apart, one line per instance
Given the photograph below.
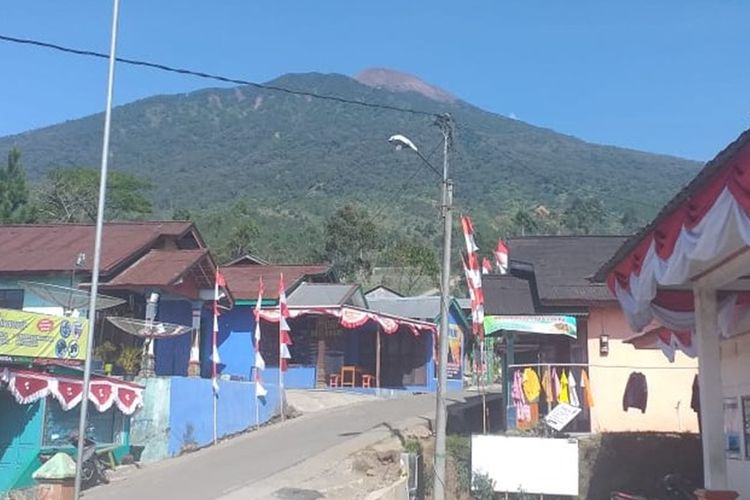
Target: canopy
x=28 y=386
x=353 y=317
x=705 y=224
x=669 y=341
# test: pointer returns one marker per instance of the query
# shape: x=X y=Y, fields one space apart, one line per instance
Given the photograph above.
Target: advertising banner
x=34 y=335
x=545 y=325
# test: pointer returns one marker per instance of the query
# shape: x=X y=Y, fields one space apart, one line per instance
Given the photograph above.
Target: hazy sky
x=667 y=76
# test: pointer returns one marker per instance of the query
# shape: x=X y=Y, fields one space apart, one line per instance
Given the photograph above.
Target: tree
x=241 y=239
x=524 y=223
x=72 y=195
x=629 y=220
x=416 y=262
x=584 y=215
x=351 y=241
x=14 y=194
x=182 y=214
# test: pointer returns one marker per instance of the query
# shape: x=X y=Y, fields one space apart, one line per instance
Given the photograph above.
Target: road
x=237 y=464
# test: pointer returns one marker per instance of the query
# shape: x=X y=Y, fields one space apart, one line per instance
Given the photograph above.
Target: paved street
x=237 y=464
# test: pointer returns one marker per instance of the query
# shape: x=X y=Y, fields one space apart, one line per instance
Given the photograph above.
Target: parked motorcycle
x=93 y=468
x=675 y=486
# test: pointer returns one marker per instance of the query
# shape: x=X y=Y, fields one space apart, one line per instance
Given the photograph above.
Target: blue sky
x=667 y=76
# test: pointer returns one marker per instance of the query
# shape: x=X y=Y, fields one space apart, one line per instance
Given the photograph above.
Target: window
x=59 y=425
x=11 y=299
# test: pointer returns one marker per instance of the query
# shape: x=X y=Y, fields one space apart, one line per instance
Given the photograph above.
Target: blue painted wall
x=20 y=439
x=191 y=410
x=173 y=354
x=29 y=299
x=235 y=341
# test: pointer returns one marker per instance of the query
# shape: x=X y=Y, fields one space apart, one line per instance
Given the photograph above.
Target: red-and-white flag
x=285 y=340
x=468 y=227
x=219 y=282
x=473 y=273
x=486 y=266
x=260 y=363
x=501 y=257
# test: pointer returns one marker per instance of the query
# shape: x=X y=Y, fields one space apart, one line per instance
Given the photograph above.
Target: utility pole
x=441 y=414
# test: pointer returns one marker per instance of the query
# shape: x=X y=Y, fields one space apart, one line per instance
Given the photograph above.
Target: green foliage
x=130 y=359
x=72 y=195
x=182 y=214
x=459 y=450
x=584 y=215
x=414 y=264
x=14 y=194
x=106 y=352
x=483 y=487
x=352 y=240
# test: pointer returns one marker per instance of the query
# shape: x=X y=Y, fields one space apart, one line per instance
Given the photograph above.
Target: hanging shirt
x=531 y=385
x=547 y=386
x=573 y=389
x=556 y=385
x=523 y=412
x=588 y=398
x=636 y=392
x=564 y=397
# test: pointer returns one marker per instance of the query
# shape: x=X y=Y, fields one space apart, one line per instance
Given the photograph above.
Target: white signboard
x=561 y=416
x=533 y=465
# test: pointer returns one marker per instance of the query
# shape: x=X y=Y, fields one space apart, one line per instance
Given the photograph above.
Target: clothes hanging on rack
x=556 y=387
x=636 y=392
x=523 y=412
x=573 y=390
x=530 y=384
x=564 y=395
x=549 y=396
x=588 y=397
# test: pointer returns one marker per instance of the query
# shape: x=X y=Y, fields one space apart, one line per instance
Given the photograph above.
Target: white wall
x=735 y=373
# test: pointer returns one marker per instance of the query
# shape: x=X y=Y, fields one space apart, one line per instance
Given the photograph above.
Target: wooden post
x=377 y=358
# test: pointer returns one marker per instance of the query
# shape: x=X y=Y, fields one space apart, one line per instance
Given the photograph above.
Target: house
x=549 y=284
x=409 y=348
x=687 y=271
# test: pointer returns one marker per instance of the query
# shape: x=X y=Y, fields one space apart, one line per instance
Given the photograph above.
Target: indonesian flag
x=501 y=257
x=473 y=273
x=260 y=363
x=219 y=282
x=486 y=266
x=468 y=228
x=285 y=340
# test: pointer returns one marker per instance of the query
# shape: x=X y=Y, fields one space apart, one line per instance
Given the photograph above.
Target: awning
x=28 y=386
x=353 y=317
x=707 y=222
x=544 y=325
x=669 y=341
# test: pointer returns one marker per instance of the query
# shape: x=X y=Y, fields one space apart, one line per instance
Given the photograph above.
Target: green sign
x=544 y=325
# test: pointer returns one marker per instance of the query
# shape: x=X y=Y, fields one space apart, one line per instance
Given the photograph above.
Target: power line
x=210 y=76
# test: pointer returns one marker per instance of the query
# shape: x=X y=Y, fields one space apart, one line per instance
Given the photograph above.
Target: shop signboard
x=34 y=335
x=561 y=416
x=545 y=325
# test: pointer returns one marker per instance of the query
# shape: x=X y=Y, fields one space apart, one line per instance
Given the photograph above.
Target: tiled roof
x=564 y=265
x=243 y=280
x=55 y=247
x=506 y=294
x=424 y=308
x=326 y=294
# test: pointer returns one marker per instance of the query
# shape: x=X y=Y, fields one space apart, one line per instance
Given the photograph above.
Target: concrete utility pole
x=441 y=414
x=97 y=248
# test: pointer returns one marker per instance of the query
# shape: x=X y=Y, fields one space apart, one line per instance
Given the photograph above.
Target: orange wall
x=669 y=384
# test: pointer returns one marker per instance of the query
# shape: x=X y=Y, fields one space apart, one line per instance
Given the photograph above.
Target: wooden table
x=349 y=375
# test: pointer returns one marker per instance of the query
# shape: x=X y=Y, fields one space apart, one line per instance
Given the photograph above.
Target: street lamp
x=401 y=142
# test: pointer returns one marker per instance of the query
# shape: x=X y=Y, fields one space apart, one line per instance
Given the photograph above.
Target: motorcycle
x=93 y=468
x=675 y=486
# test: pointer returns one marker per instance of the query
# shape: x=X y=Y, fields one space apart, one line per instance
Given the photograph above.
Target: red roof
x=243 y=280
x=163 y=268
x=55 y=247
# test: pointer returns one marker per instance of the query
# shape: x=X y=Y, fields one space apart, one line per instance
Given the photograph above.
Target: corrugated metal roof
x=243 y=281
x=326 y=294
x=55 y=247
x=159 y=268
x=424 y=308
x=506 y=294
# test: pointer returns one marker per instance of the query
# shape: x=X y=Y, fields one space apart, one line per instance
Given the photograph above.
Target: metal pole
x=97 y=247
x=441 y=416
x=377 y=358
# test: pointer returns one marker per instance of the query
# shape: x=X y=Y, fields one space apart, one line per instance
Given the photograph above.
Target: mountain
x=294 y=158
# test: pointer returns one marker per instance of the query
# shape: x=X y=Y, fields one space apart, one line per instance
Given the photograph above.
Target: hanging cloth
x=573 y=389
x=530 y=384
x=556 y=386
x=564 y=396
x=523 y=412
x=636 y=392
x=547 y=386
x=588 y=397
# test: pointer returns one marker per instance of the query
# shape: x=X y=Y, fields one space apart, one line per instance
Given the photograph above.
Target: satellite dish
x=148 y=329
x=68 y=298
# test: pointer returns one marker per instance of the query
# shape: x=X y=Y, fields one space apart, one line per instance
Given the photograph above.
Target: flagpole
x=281 y=378
x=214 y=353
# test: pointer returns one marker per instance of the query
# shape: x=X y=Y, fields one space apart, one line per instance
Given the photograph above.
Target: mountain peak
x=398 y=81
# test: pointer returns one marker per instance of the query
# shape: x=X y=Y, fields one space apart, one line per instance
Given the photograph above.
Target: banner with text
x=545 y=325
x=33 y=335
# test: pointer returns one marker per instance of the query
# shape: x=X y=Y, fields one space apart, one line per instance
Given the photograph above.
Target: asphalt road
x=238 y=463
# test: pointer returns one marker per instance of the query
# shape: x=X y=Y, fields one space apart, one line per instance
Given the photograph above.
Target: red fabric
x=101 y=394
x=69 y=393
x=220 y=279
x=675 y=300
x=734 y=175
x=28 y=388
x=127 y=399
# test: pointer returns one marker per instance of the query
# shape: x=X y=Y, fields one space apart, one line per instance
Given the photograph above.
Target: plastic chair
x=367 y=381
x=334 y=380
